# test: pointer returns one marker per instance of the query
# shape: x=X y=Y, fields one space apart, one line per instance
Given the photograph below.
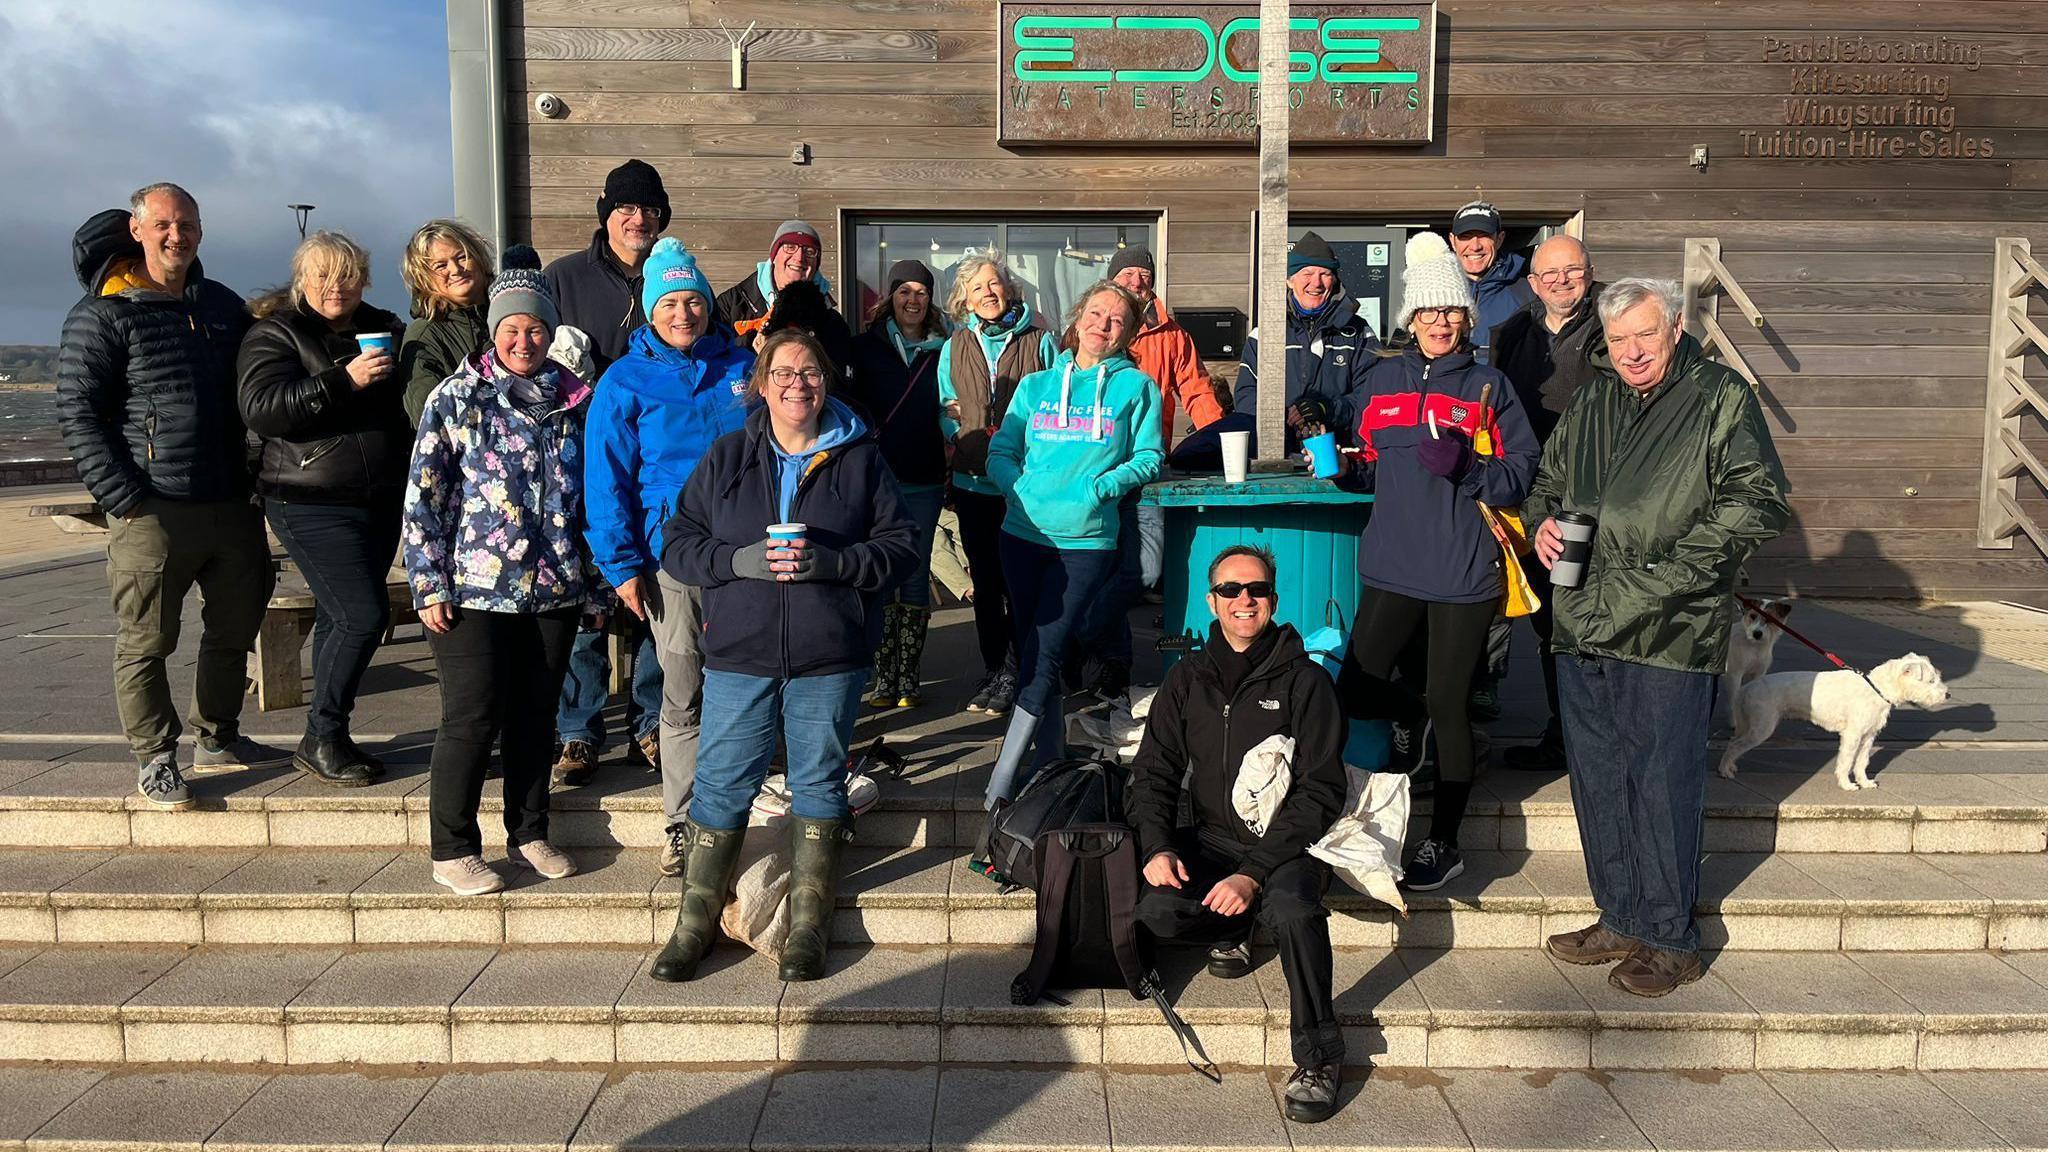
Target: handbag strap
x=910 y=387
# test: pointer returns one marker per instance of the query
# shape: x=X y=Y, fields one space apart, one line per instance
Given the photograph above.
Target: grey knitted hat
x=522 y=292
x=1432 y=279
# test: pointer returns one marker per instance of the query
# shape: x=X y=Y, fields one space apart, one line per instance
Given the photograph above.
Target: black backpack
x=1082 y=861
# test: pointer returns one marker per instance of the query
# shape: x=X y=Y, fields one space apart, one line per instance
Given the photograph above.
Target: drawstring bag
x=1363 y=846
x=758 y=913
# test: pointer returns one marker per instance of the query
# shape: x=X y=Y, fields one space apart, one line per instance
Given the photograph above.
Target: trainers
x=543 y=857
x=1311 y=1093
x=551 y=862
x=1484 y=704
x=1656 y=971
x=467 y=876
x=240 y=752
x=1002 y=693
x=1407 y=746
x=649 y=749
x=978 y=701
x=1545 y=755
x=573 y=768
x=1112 y=681
x=1433 y=864
x=1594 y=944
x=1231 y=961
x=672 y=850
x=160 y=783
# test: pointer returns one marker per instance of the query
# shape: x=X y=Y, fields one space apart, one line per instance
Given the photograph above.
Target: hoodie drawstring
x=1066 y=394
x=1067 y=397
x=1101 y=373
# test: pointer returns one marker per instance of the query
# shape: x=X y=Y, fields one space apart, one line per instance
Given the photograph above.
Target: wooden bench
x=79 y=518
x=276 y=673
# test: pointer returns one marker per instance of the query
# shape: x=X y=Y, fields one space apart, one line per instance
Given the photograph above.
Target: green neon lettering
x=1035 y=47
x=1301 y=66
x=1169 y=23
x=1346 y=58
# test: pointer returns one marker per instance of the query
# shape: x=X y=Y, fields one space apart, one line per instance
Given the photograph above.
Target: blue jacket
x=1501 y=293
x=848 y=502
x=495 y=496
x=657 y=411
x=1426 y=538
x=1074 y=442
x=1327 y=358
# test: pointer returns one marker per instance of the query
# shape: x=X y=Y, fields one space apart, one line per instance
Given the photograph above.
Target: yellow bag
x=1519 y=598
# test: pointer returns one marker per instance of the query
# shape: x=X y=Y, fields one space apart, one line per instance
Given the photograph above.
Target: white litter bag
x=1364 y=845
x=1121 y=732
x=758 y=913
x=1263 y=777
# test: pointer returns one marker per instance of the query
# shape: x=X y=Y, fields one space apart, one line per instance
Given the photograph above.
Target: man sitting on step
x=1208 y=876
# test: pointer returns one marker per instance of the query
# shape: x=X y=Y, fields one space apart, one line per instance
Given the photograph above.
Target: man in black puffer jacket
x=1208 y=878
x=146 y=398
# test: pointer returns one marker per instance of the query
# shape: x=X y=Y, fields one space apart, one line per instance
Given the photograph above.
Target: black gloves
x=1308 y=413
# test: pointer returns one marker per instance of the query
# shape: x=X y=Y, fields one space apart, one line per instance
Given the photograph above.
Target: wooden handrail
x=2009 y=396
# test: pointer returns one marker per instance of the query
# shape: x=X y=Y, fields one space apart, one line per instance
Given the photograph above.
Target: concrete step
x=952 y=1108
x=1797 y=901
x=938 y=804
x=106 y=1005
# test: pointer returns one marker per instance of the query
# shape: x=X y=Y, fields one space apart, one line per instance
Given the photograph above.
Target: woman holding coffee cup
x=1441 y=434
x=794 y=529
x=316 y=384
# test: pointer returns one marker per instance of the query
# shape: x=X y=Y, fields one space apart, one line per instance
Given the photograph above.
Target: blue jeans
x=1635 y=741
x=743 y=715
x=1050 y=593
x=1105 y=631
x=587 y=688
x=924 y=503
x=344 y=551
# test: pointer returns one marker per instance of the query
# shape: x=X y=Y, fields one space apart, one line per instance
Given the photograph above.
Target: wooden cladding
x=1873 y=273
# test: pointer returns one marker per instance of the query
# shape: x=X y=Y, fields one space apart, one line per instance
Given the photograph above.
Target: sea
x=28 y=423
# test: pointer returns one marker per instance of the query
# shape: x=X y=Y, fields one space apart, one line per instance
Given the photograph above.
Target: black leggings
x=1456 y=639
x=981 y=534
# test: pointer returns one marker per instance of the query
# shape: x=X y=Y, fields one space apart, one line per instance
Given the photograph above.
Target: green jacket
x=433 y=350
x=1685 y=485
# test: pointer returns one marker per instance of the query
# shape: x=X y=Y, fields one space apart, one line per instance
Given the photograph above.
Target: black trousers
x=344 y=551
x=1289 y=906
x=981 y=535
x=1540 y=620
x=500 y=674
x=1456 y=637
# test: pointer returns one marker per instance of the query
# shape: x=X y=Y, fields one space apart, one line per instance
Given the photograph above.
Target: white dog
x=1840 y=702
x=1752 y=641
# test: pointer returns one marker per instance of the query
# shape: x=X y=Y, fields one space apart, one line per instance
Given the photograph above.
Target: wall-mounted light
x=1699 y=157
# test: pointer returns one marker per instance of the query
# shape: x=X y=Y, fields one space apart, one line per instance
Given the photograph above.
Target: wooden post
x=1998 y=482
x=1272 y=279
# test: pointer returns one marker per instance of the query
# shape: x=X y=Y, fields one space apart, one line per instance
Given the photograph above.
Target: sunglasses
x=1260 y=589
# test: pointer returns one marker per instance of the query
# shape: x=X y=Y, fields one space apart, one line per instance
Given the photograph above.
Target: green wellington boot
x=707 y=877
x=888 y=681
x=915 y=624
x=813 y=884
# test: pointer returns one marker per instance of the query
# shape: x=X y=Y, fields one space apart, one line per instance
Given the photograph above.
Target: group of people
x=753 y=489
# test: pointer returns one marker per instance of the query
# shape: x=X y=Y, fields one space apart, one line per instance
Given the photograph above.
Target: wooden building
x=1863 y=161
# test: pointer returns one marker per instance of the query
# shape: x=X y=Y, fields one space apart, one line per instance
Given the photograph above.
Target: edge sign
x=1093 y=73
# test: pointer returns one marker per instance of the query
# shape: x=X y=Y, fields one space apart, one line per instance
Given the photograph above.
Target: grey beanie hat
x=522 y=292
x=1432 y=279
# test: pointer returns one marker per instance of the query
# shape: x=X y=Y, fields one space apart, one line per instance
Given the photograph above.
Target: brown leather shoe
x=1594 y=944
x=575 y=765
x=1656 y=971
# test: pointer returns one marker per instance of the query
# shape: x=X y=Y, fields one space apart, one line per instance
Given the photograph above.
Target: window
x=1052 y=258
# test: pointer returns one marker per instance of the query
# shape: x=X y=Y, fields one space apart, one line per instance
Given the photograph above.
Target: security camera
x=550 y=105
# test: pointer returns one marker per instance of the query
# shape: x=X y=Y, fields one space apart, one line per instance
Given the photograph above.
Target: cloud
x=251 y=104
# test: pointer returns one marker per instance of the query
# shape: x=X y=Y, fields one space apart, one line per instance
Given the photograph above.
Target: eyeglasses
x=1437 y=315
x=1232 y=589
x=787 y=376
x=631 y=210
x=1560 y=275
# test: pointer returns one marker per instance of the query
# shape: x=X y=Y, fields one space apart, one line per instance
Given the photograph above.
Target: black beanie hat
x=1311 y=251
x=1132 y=258
x=908 y=272
x=634 y=182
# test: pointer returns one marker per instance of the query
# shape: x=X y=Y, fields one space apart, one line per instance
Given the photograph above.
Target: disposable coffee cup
x=1570 y=569
x=1322 y=455
x=373 y=341
x=786 y=532
x=1237 y=455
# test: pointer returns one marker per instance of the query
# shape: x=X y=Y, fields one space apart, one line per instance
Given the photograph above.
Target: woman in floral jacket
x=500 y=575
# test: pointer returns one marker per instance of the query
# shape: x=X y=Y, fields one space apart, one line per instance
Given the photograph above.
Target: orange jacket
x=1165 y=352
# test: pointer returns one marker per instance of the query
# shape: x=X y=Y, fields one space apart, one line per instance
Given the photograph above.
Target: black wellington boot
x=813 y=886
x=707 y=877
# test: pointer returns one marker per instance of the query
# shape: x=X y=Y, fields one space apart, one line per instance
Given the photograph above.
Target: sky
x=249 y=104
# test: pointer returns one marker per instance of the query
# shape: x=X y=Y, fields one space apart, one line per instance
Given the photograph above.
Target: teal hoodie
x=1074 y=442
x=993 y=341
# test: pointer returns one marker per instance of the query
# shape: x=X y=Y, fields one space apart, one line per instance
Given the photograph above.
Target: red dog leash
x=1830 y=657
